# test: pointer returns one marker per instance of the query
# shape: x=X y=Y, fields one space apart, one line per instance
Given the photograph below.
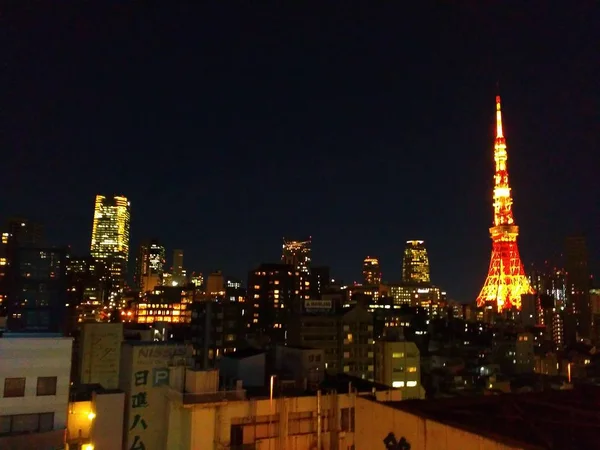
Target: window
x=46 y=386
x=411 y=369
x=26 y=423
x=397 y=355
x=47 y=421
x=347 y=419
x=14 y=387
x=4 y=424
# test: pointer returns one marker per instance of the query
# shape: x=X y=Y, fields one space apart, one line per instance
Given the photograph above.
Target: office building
x=150 y=265
x=319 y=327
x=398 y=364
x=178 y=273
x=357 y=343
x=297 y=254
x=320 y=280
x=110 y=238
x=34 y=388
x=35 y=287
x=215 y=284
x=169 y=304
x=415 y=265
x=578 y=284
x=218 y=327
x=275 y=293
x=371 y=271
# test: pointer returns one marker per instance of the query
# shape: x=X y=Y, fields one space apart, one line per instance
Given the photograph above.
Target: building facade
x=415 y=264
x=34 y=390
x=110 y=238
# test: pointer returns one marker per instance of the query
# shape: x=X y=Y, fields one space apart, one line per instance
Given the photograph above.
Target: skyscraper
x=371 y=271
x=150 y=265
x=506 y=280
x=179 y=275
x=110 y=237
x=578 y=283
x=297 y=254
x=415 y=265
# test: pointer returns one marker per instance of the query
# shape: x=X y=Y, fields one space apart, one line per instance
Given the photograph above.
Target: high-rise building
x=415 y=265
x=110 y=237
x=150 y=265
x=371 y=271
x=578 y=283
x=297 y=254
x=18 y=233
x=179 y=275
x=320 y=280
x=36 y=289
x=506 y=280
x=275 y=293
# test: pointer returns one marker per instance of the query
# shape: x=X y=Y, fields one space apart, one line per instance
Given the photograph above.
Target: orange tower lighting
x=506 y=280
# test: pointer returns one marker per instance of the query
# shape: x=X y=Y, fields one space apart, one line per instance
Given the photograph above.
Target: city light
x=506 y=280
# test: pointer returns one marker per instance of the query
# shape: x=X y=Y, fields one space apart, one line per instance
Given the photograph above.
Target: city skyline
x=295 y=139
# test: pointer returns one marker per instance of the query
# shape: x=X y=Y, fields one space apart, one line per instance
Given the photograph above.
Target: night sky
x=230 y=127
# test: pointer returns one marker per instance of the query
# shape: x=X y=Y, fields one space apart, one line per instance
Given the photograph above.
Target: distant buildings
x=150 y=265
x=415 y=265
x=275 y=293
x=110 y=238
x=398 y=364
x=33 y=286
x=371 y=271
x=297 y=254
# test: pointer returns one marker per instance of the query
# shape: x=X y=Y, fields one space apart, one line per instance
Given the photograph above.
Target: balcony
x=190 y=399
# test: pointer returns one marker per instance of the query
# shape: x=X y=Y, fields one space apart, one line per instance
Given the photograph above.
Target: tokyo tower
x=506 y=280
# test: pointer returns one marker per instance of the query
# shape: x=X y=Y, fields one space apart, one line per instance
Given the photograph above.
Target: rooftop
x=245 y=353
x=84 y=392
x=534 y=421
x=9 y=334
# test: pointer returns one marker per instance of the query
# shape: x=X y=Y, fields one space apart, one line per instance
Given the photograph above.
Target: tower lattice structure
x=506 y=280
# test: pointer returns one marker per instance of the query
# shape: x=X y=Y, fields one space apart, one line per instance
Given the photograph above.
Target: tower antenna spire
x=506 y=280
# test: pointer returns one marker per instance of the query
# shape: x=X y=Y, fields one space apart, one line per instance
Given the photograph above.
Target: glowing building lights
x=110 y=235
x=371 y=271
x=506 y=280
x=415 y=265
x=297 y=254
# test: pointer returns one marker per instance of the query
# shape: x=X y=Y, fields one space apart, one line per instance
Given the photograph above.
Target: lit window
x=398 y=355
x=411 y=369
x=397 y=384
x=411 y=383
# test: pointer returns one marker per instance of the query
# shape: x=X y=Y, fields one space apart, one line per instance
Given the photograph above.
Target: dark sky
x=230 y=127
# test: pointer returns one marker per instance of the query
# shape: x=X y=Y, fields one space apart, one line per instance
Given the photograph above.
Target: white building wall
x=33 y=357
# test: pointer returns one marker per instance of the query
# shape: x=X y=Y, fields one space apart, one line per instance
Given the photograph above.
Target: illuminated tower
x=150 y=265
x=506 y=280
x=297 y=254
x=110 y=237
x=371 y=271
x=415 y=265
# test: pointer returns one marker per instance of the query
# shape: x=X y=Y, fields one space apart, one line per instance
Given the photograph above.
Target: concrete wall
x=208 y=426
x=375 y=421
x=107 y=426
x=99 y=353
x=32 y=358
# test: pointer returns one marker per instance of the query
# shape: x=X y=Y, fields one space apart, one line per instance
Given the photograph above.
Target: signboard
x=150 y=373
x=318 y=305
